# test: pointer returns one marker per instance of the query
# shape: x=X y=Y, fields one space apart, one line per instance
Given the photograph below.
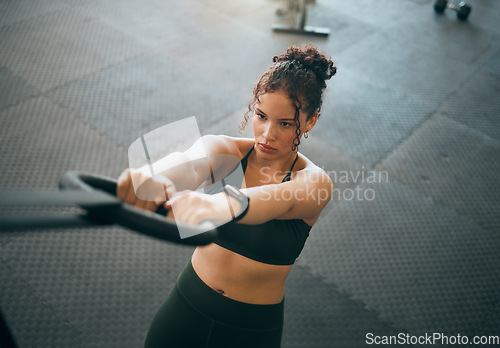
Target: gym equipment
x=463 y=9
x=297 y=9
x=96 y=195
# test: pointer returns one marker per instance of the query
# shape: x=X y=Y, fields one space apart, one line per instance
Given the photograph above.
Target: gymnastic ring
x=153 y=224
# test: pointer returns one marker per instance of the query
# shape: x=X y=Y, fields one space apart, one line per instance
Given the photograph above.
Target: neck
x=278 y=165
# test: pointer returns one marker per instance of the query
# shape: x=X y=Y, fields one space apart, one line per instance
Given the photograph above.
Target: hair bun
x=310 y=58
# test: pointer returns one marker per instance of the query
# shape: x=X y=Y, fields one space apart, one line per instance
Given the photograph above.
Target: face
x=274 y=124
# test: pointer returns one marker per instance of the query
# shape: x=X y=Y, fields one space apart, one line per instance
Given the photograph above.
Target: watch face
x=234 y=192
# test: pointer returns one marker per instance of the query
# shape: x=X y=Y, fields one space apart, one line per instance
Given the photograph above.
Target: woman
x=231 y=293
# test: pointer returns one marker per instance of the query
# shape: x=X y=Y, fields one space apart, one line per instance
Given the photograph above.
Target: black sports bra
x=276 y=242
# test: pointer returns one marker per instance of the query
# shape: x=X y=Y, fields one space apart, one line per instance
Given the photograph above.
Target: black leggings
x=195 y=315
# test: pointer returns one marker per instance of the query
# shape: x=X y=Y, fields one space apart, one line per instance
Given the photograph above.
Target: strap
x=288 y=175
x=245 y=160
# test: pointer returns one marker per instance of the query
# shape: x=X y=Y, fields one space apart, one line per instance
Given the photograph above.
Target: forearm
x=300 y=199
x=195 y=207
x=185 y=173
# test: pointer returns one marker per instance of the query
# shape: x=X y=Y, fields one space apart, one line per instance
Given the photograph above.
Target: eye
x=262 y=117
x=285 y=124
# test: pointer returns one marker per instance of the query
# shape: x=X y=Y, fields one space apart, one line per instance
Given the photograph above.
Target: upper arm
x=309 y=193
x=211 y=154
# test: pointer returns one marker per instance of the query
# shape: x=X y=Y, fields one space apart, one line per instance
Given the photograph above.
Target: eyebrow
x=281 y=119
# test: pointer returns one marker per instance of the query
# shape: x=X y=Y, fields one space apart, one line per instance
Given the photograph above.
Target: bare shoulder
x=309 y=172
x=244 y=144
x=223 y=144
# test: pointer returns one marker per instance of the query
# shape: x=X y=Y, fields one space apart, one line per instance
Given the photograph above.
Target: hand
x=143 y=191
x=194 y=207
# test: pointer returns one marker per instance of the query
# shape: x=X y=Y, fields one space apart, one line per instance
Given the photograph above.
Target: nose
x=270 y=131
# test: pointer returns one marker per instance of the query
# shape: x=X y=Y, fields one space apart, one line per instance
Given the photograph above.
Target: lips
x=266 y=148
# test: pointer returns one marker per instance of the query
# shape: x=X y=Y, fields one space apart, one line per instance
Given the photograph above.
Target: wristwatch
x=240 y=197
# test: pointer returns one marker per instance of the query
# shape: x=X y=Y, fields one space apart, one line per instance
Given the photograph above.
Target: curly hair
x=301 y=73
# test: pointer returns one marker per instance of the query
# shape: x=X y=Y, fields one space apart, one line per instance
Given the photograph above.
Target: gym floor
x=409 y=132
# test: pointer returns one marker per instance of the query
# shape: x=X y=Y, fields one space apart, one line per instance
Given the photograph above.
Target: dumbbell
x=463 y=9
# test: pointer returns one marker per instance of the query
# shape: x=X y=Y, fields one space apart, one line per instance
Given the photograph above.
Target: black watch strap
x=240 y=197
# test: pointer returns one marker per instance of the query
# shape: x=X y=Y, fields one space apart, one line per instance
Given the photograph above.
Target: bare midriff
x=238 y=277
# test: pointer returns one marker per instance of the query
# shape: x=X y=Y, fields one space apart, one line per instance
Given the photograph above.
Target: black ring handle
x=152 y=224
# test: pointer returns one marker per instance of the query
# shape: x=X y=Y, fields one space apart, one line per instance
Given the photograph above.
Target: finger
x=124 y=174
x=139 y=203
x=151 y=206
x=121 y=185
x=169 y=191
x=171 y=215
x=173 y=199
x=177 y=204
x=146 y=204
x=159 y=200
x=168 y=186
x=131 y=197
x=168 y=205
